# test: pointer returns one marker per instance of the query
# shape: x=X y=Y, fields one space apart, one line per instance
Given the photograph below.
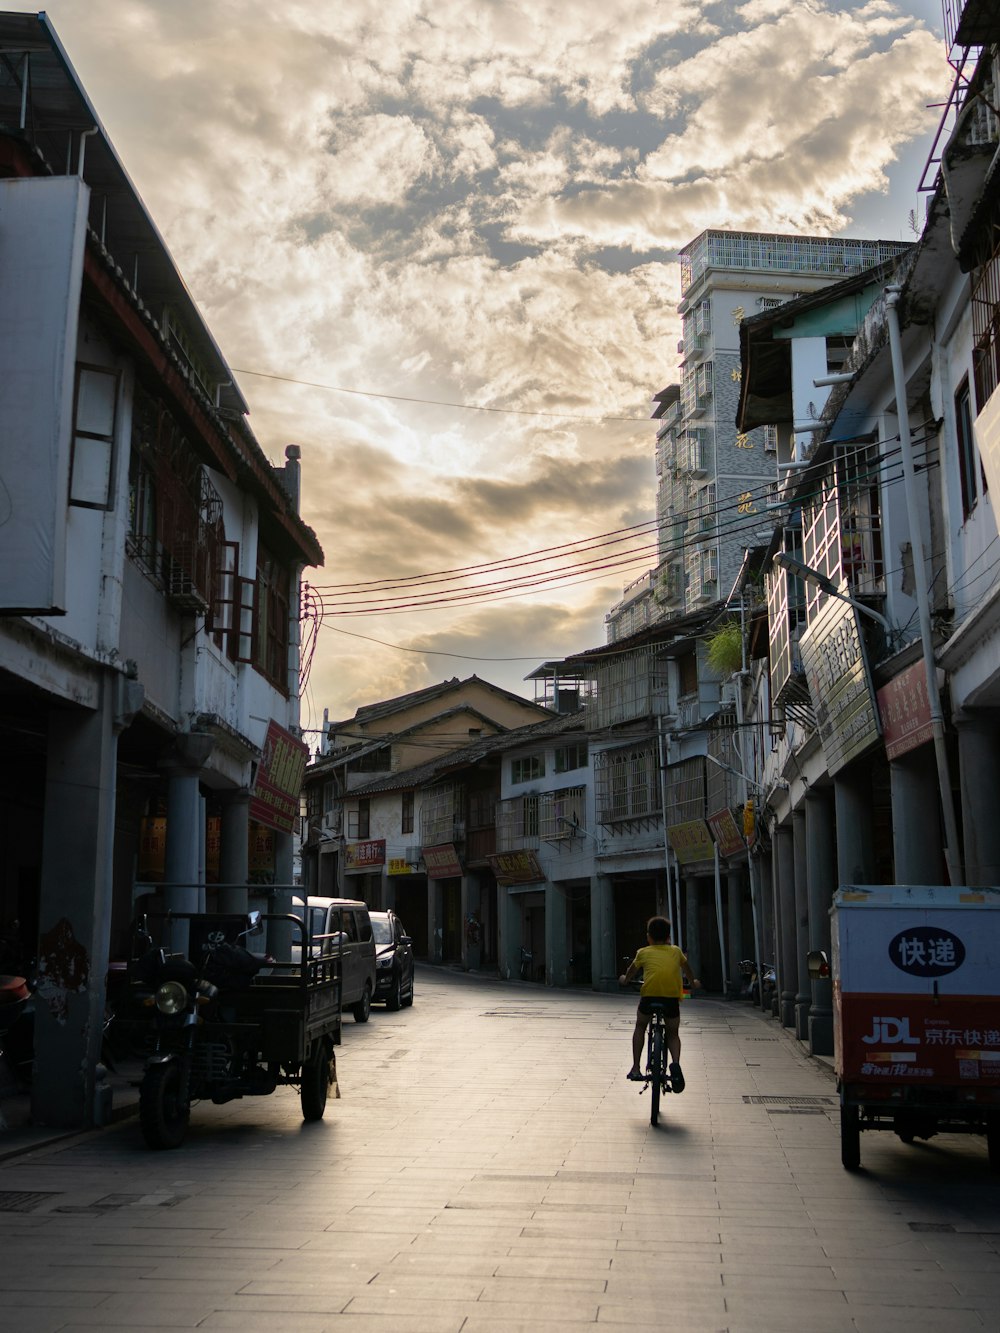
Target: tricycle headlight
x=171 y=998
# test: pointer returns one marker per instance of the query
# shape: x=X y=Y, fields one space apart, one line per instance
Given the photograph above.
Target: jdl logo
x=891 y=1032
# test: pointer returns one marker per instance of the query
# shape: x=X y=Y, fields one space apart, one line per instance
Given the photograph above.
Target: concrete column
x=234 y=853
x=604 y=969
x=508 y=933
x=787 y=953
x=435 y=921
x=556 y=936
x=282 y=934
x=735 y=878
x=916 y=819
x=471 y=940
x=821 y=879
x=803 y=994
x=852 y=797
x=766 y=920
x=692 y=929
x=979 y=775
x=75 y=912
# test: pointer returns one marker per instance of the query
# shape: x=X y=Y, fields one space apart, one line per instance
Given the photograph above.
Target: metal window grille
x=986 y=310
x=441 y=811
x=685 y=790
x=627 y=783
x=629 y=685
x=561 y=812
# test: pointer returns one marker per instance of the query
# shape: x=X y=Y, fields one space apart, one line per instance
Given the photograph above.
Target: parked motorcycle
x=16 y=1027
x=757 y=983
x=525 y=971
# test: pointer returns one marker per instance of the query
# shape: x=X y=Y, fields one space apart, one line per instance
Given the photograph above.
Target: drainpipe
x=85 y=135
x=951 y=852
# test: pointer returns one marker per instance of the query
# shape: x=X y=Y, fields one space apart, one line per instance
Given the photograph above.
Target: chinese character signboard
x=398 y=865
x=839 y=684
x=274 y=800
x=905 y=711
x=726 y=832
x=364 y=855
x=516 y=867
x=691 y=841
x=916 y=989
x=442 y=862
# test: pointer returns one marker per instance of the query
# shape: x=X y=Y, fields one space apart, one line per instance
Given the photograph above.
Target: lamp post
x=803 y=571
x=892 y=295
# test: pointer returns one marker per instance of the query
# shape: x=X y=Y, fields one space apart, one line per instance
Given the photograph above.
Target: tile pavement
x=488 y=1170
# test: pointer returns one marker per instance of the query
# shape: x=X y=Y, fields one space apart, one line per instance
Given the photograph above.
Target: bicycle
x=657 y=1077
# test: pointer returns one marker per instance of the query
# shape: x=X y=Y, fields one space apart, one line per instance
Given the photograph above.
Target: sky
x=437 y=242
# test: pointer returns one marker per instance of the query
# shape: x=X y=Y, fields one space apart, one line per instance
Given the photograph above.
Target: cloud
x=472 y=203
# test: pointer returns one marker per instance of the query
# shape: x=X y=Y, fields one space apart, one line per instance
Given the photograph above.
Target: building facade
x=150 y=558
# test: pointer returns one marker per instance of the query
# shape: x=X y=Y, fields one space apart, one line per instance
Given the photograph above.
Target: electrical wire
x=354 y=603
x=439 y=402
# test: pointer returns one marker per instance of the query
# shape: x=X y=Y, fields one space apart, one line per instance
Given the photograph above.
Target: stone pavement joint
x=490 y=1169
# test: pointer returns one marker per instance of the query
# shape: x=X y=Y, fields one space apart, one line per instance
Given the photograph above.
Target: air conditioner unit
x=331 y=821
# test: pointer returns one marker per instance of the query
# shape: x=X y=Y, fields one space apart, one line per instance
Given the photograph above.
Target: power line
x=439 y=402
x=343 y=606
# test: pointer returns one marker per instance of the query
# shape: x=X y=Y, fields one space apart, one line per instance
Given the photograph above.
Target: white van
x=349 y=919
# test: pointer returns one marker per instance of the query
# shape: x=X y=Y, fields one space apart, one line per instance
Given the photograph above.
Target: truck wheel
x=364 y=1006
x=394 y=1000
x=163 y=1116
x=315 y=1082
x=993 y=1141
x=850 y=1137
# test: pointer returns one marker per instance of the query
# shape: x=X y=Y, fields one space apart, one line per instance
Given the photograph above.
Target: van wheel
x=409 y=994
x=364 y=1006
x=394 y=1000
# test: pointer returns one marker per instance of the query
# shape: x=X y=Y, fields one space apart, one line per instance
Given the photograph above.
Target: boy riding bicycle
x=664 y=970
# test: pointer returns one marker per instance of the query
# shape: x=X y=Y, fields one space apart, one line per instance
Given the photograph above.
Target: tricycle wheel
x=315 y=1082
x=993 y=1140
x=850 y=1137
x=364 y=1006
x=163 y=1114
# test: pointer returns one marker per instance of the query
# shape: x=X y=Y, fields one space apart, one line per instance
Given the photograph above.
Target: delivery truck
x=916 y=994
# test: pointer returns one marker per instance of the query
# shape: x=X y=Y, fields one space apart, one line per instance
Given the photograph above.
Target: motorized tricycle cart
x=916 y=978
x=221 y=1022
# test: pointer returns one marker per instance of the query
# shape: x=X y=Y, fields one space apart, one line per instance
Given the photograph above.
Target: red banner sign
x=442 y=862
x=726 y=833
x=519 y=867
x=364 y=855
x=274 y=800
x=905 y=711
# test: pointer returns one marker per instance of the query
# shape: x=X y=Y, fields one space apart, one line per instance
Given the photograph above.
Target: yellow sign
x=398 y=865
x=691 y=841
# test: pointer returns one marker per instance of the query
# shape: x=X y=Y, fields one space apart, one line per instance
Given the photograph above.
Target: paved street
x=490 y=1169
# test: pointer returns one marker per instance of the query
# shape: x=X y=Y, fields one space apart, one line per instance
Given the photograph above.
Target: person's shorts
x=671 y=1006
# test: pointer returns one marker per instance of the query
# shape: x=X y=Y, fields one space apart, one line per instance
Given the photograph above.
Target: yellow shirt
x=661 y=970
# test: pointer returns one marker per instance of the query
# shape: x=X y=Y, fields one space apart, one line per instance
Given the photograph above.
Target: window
x=569 y=757
x=528 y=768
x=687 y=671
x=359 y=820
x=529 y=816
x=406 y=813
x=93 y=438
x=967 y=459
x=271 y=638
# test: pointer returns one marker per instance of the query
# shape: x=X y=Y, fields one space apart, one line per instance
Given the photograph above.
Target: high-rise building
x=713 y=481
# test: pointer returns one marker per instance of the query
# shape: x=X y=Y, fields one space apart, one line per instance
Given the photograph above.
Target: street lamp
x=782 y=560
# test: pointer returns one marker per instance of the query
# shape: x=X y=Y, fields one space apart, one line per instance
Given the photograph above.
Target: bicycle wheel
x=656 y=1071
